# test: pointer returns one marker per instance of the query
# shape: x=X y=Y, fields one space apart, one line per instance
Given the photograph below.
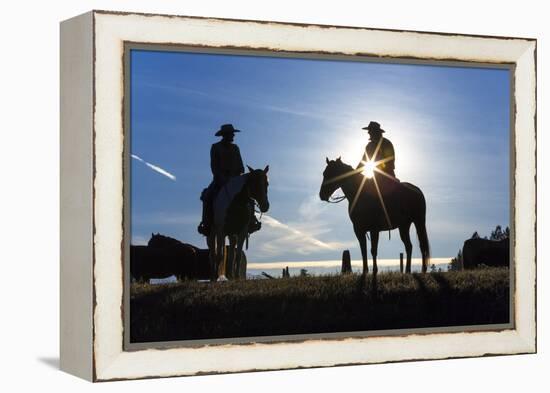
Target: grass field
x=298 y=305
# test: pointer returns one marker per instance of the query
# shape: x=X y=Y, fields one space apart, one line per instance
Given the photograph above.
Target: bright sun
x=368 y=169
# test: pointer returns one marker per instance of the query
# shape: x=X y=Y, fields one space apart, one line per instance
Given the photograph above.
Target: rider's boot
x=205 y=225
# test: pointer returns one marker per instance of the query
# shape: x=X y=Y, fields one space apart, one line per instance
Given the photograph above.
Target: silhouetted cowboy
x=225 y=163
x=379 y=150
x=225 y=156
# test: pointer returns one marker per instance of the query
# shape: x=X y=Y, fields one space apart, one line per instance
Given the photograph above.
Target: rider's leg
x=204 y=226
x=206 y=223
x=239 y=260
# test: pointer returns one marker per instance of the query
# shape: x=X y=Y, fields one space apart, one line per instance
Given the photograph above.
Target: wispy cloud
x=279 y=239
x=294 y=234
x=155 y=168
x=176 y=218
x=311 y=207
x=235 y=99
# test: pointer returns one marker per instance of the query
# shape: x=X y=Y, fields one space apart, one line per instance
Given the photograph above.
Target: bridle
x=256 y=204
x=255 y=208
x=336 y=199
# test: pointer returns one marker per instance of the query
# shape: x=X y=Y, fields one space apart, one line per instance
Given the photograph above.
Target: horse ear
x=266 y=169
x=326 y=159
x=339 y=158
x=250 y=168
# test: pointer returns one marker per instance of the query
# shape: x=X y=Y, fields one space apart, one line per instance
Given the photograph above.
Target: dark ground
x=301 y=305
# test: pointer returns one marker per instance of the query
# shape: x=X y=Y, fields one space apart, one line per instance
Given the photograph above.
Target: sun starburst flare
x=368 y=169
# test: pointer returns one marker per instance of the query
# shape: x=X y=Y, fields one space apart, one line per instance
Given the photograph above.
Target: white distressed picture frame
x=92 y=194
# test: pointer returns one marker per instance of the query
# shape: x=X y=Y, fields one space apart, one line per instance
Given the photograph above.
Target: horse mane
x=348 y=169
x=227 y=194
x=162 y=240
x=233 y=186
x=342 y=164
x=345 y=165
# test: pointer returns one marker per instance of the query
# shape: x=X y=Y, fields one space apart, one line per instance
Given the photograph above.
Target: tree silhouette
x=499 y=234
x=456 y=263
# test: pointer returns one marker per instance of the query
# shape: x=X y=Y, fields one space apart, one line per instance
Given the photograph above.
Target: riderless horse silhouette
x=476 y=252
x=198 y=259
x=373 y=211
x=163 y=257
x=232 y=213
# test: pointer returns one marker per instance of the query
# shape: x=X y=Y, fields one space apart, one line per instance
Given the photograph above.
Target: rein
x=337 y=199
x=256 y=209
x=340 y=198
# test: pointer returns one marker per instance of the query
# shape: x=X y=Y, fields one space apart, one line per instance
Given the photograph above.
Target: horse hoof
x=222 y=278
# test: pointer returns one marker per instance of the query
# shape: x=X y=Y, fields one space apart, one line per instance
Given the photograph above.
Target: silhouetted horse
x=184 y=255
x=204 y=269
x=158 y=240
x=163 y=257
x=400 y=206
x=232 y=214
x=477 y=252
x=149 y=262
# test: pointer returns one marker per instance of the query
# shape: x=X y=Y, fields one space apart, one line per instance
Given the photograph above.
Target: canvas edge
x=76 y=172
x=525 y=196
x=524 y=338
x=300 y=24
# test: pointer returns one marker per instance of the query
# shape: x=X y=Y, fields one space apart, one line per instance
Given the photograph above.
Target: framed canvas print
x=247 y=195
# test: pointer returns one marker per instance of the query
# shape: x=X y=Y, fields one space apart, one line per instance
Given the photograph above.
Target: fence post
x=346 y=262
x=401 y=262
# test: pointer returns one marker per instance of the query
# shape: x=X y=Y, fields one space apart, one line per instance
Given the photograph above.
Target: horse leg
x=406 y=239
x=211 y=242
x=239 y=255
x=220 y=252
x=424 y=243
x=230 y=262
x=374 y=250
x=362 y=238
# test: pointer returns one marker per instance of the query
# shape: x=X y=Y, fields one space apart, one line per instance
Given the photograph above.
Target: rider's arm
x=239 y=160
x=390 y=153
x=363 y=160
x=214 y=163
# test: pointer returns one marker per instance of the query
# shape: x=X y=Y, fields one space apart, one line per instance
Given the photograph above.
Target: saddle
x=208 y=196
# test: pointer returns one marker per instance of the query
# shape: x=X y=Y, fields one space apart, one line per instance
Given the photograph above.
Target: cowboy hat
x=373 y=126
x=226 y=129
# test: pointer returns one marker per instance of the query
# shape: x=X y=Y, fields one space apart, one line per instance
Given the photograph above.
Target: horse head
x=258 y=183
x=334 y=173
x=158 y=240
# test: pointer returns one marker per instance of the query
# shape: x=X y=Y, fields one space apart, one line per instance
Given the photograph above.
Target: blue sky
x=449 y=126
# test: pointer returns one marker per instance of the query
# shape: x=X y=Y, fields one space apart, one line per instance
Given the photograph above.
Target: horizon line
x=337 y=262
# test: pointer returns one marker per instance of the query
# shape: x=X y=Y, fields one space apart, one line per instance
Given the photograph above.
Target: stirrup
x=203 y=229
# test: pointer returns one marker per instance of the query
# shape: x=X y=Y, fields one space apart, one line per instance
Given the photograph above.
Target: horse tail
x=422 y=234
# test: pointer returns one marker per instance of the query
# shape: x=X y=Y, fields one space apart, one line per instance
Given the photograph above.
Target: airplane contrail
x=155 y=168
x=272 y=222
